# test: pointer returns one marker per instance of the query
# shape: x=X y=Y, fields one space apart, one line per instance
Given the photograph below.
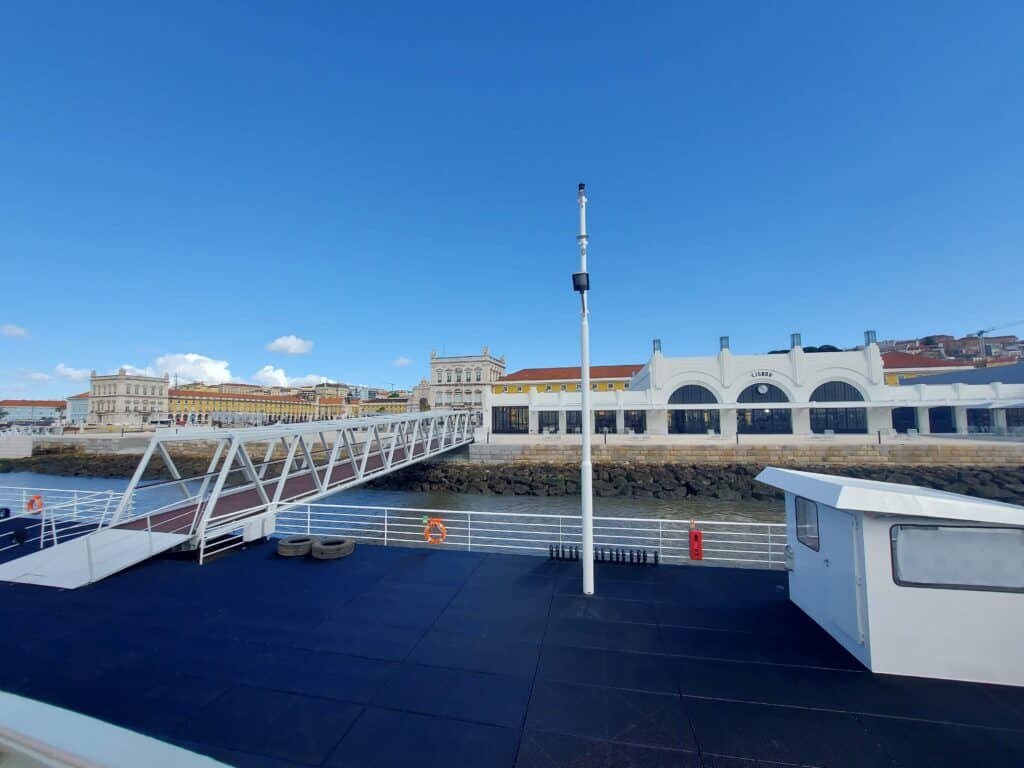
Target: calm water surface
x=686 y=509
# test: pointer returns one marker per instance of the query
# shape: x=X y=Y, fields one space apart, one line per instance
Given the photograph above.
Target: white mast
x=581 y=283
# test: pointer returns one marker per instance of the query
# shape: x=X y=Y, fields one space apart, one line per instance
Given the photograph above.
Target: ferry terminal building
x=797 y=393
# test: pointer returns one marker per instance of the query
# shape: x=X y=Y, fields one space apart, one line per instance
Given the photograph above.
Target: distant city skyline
x=325 y=191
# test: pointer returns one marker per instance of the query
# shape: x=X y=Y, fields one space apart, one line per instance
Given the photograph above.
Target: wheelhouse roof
x=880 y=498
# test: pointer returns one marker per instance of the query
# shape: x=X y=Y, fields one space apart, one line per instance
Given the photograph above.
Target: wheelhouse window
x=807 y=523
x=510 y=420
x=958 y=557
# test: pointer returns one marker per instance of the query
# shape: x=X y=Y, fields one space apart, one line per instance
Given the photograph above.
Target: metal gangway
x=253 y=474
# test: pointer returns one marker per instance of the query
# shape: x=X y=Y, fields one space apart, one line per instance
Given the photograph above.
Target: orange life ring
x=434 y=532
x=34 y=504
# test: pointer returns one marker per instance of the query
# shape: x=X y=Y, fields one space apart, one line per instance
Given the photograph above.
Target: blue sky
x=182 y=184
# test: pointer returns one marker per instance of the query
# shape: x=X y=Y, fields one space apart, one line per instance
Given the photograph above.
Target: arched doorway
x=763 y=419
x=695 y=421
x=845 y=421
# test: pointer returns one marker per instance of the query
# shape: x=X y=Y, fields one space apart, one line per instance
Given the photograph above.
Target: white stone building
x=797 y=393
x=461 y=381
x=125 y=399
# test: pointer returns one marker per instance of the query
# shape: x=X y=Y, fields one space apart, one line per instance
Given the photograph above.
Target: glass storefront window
x=573 y=422
x=510 y=420
x=547 y=422
x=635 y=422
x=604 y=422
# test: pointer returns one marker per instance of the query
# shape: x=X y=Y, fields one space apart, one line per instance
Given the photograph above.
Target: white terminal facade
x=796 y=392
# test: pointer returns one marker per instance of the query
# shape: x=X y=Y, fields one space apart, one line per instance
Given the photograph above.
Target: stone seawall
x=676 y=481
x=949 y=453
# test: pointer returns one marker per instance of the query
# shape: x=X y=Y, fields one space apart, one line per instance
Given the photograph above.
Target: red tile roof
x=79 y=397
x=572 y=373
x=907 y=360
x=36 y=403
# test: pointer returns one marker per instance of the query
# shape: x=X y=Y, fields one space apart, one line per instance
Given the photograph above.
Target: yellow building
x=386 y=405
x=202 y=406
x=900 y=366
x=336 y=408
x=603 y=378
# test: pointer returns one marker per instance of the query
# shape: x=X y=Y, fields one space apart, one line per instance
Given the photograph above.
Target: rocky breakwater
x=676 y=481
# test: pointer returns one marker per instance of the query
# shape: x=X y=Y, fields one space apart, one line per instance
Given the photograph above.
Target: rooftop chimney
x=795 y=341
x=723 y=342
x=657 y=345
x=870 y=337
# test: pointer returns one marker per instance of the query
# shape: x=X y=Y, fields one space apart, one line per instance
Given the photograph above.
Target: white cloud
x=12 y=330
x=191 y=367
x=401 y=362
x=39 y=376
x=291 y=345
x=75 y=374
x=308 y=380
x=134 y=370
x=269 y=376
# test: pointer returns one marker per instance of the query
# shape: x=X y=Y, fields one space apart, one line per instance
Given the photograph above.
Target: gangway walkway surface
x=239 y=497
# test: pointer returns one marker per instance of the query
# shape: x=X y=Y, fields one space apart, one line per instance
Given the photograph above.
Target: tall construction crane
x=981 y=334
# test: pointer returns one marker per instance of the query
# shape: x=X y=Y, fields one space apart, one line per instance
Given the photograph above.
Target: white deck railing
x=758 y=545
x=64 y=514
x=67 y=514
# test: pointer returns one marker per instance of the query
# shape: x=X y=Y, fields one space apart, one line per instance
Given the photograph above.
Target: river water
x=690 y=508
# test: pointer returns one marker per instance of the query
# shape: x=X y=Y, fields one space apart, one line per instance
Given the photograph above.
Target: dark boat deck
x=399 y=657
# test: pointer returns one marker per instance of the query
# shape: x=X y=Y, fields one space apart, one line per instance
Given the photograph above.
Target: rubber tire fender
x=296 y=546
x=333 y=547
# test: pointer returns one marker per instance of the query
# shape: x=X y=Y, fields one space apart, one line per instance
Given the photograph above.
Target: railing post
x=74 y=508
x=309 y=520
x=660 y=553
x=88 y=556
x=559 y=529
x=469 y=537
x=149 y=532
x=385 y=526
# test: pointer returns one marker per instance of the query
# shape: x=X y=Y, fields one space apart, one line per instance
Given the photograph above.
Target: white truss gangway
x=253 y=474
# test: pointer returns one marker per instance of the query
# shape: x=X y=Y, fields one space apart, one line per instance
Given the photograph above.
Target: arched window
x=691 y=394
x=762 y=393
x=693 y=421
x=847 y=421
x=836 y=392
x=761 y=420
